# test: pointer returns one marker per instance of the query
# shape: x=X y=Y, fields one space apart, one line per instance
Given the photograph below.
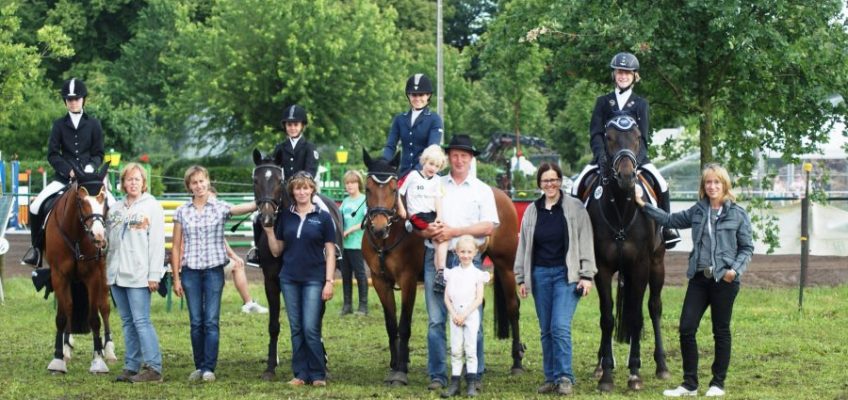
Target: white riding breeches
x=586 y=170
x=55 y=186
x=464 y=339
x=656 y=174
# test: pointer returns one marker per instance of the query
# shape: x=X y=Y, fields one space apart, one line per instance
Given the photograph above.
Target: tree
x=467 y=20
x=251 y=58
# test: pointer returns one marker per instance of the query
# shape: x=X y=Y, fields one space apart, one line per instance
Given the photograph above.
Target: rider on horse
x=415 y=129
x=622 y=101
x=76 y=141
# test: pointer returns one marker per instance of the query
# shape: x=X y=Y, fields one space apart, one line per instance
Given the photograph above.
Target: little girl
x=423 y=191
x=463 y=297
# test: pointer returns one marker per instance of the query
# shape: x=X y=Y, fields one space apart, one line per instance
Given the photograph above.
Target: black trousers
x=701 y=293
x=352 y=265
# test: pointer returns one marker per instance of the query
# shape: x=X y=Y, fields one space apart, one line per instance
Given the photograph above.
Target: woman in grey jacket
x=135 y=264
x=555 y=261
x=722 y=247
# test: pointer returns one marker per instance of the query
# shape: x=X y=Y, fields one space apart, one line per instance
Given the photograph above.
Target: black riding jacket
x=606 y=107
x=69 y=146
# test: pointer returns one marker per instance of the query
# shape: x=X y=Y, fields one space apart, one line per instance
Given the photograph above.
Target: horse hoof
x=635 y=383
x=397 y=378
x=57 y=366
x=109 y=352
x=599 y=372
x=663 y=375
x=517 y=371
x=268 y=376
x=98 y=366
x=605 y=387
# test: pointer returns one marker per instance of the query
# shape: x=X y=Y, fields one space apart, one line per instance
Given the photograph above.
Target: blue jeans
x=437 y=347
x=556 y=302
x=203 y=288
x=303 y=306
x=140 y=341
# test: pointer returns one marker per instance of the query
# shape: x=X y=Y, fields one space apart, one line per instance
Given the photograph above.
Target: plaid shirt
x=203 y=233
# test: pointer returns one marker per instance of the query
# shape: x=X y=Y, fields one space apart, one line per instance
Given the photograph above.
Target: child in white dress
x=423 y=191
x=463 y=297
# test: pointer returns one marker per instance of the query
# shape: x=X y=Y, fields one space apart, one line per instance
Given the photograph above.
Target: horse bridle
x=83 y=220
x=93 y=217
x=275 y=202
x=391 y=214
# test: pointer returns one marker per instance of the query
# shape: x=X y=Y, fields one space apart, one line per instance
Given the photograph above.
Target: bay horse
x=627 y=242
x=75 y=251
x=269 y=190
x=396 y=258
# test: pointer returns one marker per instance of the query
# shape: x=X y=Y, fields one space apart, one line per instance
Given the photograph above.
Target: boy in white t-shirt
x=423 y=191
x=463 y=297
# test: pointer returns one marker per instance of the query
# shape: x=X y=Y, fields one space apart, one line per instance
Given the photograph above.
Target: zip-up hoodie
x=136 y=243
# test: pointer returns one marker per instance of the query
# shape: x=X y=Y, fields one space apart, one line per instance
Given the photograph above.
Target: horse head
x=381 y=194
x=91 y=203
x=268 y=178
x=622 y=146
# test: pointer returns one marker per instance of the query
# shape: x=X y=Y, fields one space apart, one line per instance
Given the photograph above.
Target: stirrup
x=32 y=257
x=671 y=237
x=252 y=258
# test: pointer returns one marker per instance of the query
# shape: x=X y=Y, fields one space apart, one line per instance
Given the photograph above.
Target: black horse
x=627 y=242
x=270 y=196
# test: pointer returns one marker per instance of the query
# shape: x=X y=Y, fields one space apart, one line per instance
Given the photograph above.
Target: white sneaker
x=253 y=307
x=714 y=391
x=679 y=392
x=195 y=376
x=208 y=376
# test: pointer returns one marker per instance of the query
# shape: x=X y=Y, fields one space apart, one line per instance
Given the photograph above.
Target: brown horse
x=627 y=242
x=396 y=258
x=270 y=196
x=75 y=244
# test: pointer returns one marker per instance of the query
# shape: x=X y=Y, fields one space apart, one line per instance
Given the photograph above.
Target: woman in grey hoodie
x=135 y=264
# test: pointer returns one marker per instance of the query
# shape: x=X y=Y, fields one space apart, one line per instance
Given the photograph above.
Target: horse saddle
x=589 y=183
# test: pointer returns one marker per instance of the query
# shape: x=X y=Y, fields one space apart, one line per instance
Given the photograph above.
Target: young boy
x=423 y=191
x=463 y=297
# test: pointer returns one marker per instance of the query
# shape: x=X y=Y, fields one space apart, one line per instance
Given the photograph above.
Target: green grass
x=778 y=353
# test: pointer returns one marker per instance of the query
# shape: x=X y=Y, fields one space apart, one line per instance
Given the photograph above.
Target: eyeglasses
x=551 y=181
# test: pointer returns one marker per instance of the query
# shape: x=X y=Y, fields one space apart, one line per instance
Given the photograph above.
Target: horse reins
x=74 y=245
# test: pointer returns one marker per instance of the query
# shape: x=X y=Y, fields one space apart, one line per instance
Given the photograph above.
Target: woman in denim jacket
x=722 y=248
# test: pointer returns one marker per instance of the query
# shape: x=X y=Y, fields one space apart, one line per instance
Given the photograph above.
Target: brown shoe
x=148 y=375
x=125 y=376
x=546 y=387
x=435 y=384
x=564 y=387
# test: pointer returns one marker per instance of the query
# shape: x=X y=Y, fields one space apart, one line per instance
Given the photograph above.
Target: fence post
x=805 y=233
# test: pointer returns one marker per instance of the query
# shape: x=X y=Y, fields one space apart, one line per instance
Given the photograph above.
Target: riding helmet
x=294 y=113
x=418 y=83
x=73 y=88
x=625 y=61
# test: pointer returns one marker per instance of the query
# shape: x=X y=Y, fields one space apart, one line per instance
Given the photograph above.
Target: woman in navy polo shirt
x=304 y=235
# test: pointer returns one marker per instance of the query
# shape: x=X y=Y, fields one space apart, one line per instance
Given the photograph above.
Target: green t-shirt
x=349 y=207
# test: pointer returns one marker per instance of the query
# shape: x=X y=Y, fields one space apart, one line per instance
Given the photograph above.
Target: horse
x=630 y=243
x=270 y=196
x=396 y=258
x=75 y=251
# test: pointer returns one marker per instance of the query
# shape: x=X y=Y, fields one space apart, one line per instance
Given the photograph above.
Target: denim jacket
x=733 y=244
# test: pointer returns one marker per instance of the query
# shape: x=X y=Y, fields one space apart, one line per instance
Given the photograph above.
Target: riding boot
x=253 y=253
x=453 y=388
x=670 y=235
x=33 y=255
x=471 y=381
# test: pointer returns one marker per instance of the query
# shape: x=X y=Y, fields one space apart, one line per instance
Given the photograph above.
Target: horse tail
x=501 y=316
x=79 y=316
x=622 y=333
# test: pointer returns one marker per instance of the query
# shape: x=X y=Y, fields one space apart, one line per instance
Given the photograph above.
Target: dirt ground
x=764 y=271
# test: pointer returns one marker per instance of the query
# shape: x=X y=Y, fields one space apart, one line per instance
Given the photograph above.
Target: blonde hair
x=192 y=171
x=466 y=240
x=723 y=177
x=354 y=176
x=434 y=153
x=129 y=168
x=300 y=180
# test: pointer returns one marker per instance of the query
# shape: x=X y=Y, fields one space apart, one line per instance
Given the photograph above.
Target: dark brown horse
x=627 y=242
x=74 y=249
x=270 y=196
x=396 y=258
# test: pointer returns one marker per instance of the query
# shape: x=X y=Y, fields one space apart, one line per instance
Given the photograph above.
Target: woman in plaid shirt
x=199 y=273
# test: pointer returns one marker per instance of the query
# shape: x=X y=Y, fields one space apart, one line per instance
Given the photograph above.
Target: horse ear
x=103 y=171
x=366 y=158
x=396 y=160
x=257 y=156
x=278 y=156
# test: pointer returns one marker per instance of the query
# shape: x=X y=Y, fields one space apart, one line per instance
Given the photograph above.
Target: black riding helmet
x=73 y=88
x=294 y=113
x=419 y=83
x=625 y=61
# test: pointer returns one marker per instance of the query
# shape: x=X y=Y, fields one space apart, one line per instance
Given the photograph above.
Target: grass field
x=778 y=353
